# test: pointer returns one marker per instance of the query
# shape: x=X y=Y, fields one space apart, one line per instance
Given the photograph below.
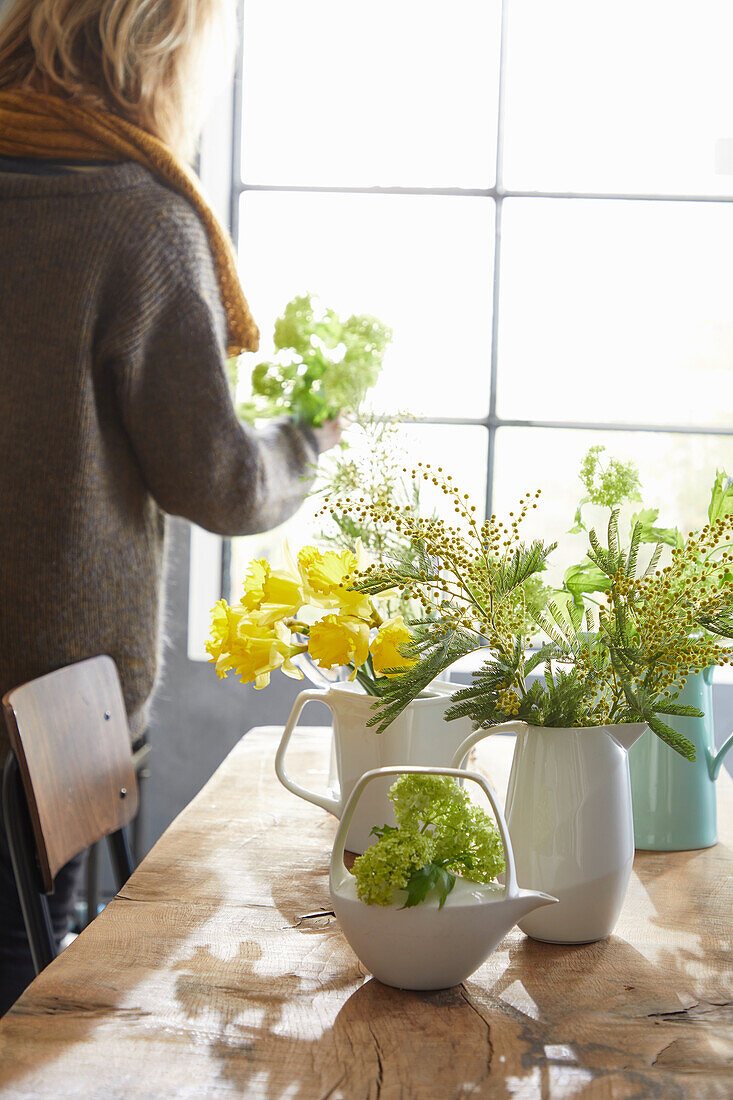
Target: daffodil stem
x=367 y=683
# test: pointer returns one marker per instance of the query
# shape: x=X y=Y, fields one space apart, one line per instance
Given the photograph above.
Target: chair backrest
x=69 y=732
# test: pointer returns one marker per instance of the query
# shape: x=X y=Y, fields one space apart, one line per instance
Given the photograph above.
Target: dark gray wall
x=197 y=718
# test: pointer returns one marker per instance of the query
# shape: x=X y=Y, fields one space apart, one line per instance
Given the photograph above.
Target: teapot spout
x=627 y=733
x=525 y=902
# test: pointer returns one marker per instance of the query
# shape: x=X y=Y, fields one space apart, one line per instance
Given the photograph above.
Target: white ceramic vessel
x=569 y=813
x=418 y=736
x=426 y=947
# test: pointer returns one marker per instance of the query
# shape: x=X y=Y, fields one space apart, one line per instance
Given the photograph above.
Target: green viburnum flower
x=388 y=865
x=612 y=485
x=323 y=365
x=440 y=834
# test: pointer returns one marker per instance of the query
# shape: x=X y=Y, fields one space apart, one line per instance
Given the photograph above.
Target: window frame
x=492 y=422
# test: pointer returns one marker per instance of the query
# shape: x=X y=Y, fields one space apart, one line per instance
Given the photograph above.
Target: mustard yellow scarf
x=36 y=125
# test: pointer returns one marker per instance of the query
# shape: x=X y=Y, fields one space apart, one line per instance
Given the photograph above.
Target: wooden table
x=205 y=978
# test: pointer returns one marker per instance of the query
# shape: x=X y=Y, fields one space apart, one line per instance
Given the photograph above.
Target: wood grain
x=204 y=978
x=69 y=731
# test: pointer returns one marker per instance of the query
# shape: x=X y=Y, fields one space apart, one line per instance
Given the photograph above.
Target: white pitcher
x=418 y=736
x=569 y=814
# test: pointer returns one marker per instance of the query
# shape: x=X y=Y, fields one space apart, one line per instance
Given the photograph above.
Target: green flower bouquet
x=440 y=835
x=323 y=366
x=623 y=661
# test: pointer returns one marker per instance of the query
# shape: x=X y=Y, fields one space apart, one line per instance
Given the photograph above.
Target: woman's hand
x=329 y=434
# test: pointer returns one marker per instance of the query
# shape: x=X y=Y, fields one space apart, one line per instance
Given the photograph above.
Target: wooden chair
x=68 y=782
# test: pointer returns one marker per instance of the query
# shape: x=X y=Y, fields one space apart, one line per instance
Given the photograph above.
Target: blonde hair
x=145 y=60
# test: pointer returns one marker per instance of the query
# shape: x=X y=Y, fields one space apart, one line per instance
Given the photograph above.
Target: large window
x=535 y=196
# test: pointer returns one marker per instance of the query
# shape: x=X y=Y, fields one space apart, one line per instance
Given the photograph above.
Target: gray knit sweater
x=114 y=409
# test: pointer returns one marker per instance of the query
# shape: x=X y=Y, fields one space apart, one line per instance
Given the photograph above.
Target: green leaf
x=431 y=876
x=645 y=516
x=585 y=577
x=578 y=525
x=721 y=498
x=671 y=737
x=433 y=656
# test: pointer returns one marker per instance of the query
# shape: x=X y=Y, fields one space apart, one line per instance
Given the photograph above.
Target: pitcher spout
x=627 y=733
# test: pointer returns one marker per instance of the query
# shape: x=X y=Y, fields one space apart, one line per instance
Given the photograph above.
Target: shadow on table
x=556 y=1019
x=606 y=1010
x=280 y=1019
x=94 y=981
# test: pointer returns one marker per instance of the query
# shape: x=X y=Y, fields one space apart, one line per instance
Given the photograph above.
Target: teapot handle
x=339 y=873
x=332 y=805
x=461 y=753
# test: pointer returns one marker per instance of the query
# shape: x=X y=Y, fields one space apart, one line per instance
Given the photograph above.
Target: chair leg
x=92 y=877
x=22 y=854
x=136 y=825
x=119 y=850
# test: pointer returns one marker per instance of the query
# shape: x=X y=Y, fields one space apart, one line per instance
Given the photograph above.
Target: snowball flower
x=440 y=834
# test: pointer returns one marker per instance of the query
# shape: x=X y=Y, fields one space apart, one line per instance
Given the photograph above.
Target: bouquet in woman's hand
x=323 y=366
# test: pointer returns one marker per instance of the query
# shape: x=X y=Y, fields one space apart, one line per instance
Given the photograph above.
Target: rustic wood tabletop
x=210 y=976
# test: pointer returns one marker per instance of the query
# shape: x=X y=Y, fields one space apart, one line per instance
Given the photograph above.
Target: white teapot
x=426 y=947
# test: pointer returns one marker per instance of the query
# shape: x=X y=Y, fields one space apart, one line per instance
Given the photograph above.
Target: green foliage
x=619 y=659
x=608 y=486
x=626 y=663
x=618 y=485
x=438 y=643
x=323 y=365
x=721 y=497
x=434 y=650
x=440 y=834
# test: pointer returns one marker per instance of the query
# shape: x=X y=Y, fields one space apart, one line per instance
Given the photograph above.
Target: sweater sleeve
x=196 y=458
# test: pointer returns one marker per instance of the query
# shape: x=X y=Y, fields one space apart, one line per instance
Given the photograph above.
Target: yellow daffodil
x=224 y=623
x=249 y=648
x=271 y=594
x=337 y=640
x=254 y=583
x=386 y=646
x=322 y=571
x=326 y=579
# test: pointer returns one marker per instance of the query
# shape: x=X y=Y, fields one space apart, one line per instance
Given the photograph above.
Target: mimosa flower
x=386 y=647
x=339 y=640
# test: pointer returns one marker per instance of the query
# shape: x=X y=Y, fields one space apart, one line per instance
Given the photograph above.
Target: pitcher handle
x=339 y=873
x=459 y=756
x=715 y=760
x=332 y=805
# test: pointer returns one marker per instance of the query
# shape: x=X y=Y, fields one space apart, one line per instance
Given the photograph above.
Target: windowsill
x=463 y=668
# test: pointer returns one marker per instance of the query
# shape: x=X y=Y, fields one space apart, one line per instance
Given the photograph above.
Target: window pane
x=460 y=450
x=349 y=93
x=617 y=311
x=629 y=96
x=421 y=264
x=677 y=472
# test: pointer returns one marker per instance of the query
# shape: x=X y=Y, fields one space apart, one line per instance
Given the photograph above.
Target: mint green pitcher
x=673 y=798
